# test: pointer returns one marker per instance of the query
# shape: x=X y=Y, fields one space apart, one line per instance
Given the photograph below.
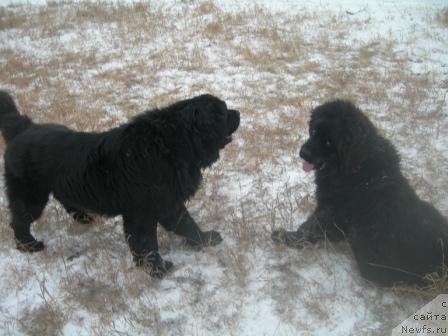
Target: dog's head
x=339 y=135
x=211 y=125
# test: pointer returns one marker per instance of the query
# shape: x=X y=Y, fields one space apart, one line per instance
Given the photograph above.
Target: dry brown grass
x=207 y=7
x=442 y=17
x=44 y=320
x=436 y=284
x=96 y=296
x=8 y=21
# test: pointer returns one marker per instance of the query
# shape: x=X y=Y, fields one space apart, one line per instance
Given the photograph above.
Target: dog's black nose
x=235 y=114
x=305 y=153
x=233 y=120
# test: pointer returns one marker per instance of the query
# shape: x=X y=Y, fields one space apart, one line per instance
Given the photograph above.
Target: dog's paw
x=158 y=270
x=290 y=238
x=30 y=246
x=82 y=217
x=154 y=264
x=208 y=238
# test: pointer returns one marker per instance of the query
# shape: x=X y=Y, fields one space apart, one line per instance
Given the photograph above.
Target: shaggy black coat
x=144 y=170
x=363 y=197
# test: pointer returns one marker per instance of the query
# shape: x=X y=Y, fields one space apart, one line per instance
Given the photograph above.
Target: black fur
x=363 y=197
x=144 y=170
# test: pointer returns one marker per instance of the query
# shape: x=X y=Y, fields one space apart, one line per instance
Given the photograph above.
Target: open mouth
x=308 y=166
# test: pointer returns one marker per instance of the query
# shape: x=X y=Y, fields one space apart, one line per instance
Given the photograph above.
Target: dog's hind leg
x=376 y=264
x=26 y=204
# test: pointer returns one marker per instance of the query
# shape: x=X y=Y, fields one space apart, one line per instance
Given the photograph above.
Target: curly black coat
x=144 y=170
x=363 y=197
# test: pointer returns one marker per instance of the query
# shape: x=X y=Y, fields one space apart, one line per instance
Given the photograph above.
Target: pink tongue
x=307 y=166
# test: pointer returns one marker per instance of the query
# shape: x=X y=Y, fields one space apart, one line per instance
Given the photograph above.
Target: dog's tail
x=11 y=122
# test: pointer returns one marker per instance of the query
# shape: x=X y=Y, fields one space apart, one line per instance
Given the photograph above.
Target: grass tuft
x=442 y=17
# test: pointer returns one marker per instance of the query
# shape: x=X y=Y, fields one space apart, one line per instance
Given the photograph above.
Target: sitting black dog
x=363 y=197
x=144 y=170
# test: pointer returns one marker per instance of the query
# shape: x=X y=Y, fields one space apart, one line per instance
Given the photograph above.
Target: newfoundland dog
x=363 y=197
x=144 y=170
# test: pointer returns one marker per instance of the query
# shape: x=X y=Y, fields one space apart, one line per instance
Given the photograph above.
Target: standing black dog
x=363 y=197
x=144 y=170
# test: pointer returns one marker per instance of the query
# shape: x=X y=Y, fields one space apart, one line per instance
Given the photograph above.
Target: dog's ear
x=352 y=148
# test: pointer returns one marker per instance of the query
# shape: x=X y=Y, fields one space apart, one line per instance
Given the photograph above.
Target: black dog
x=363 y=197
x=144 y=170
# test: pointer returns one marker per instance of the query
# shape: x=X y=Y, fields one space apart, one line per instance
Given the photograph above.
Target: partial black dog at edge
x=363 y=197
x=144 y=170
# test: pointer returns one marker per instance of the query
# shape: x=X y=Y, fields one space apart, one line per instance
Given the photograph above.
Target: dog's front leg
x=312 y=230
x=141 y=235
x=181 y=223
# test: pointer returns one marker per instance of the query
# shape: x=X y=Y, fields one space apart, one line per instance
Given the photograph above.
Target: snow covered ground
x=93 y=65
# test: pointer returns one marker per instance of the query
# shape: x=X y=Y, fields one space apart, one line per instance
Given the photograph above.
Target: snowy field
x=93 y=65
